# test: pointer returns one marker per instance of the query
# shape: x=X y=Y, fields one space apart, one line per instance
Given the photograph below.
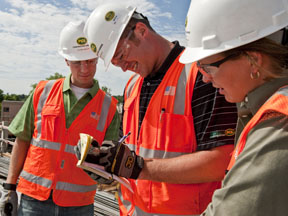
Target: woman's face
x=231 y=75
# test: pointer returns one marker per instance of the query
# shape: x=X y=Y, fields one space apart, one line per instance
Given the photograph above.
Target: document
x=85 y=140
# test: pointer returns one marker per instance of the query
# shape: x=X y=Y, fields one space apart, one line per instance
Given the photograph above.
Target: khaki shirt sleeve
x=257 y=184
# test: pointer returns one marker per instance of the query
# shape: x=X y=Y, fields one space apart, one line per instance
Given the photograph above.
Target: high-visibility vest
x=277 y=102
x=167 y=131
x=51 y=161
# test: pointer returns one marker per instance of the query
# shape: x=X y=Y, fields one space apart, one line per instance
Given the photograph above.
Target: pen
x=124 y=137
x=162 y=111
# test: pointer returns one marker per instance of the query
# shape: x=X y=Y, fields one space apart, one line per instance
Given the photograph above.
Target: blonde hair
x=277 y=53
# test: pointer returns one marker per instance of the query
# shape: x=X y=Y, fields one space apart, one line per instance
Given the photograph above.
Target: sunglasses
x=214 y=67
x=123 y=51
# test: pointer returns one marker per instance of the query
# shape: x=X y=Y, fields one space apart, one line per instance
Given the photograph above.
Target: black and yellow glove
x=118 y=159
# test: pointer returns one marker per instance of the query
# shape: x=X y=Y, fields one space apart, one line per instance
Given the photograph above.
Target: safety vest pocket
x=176 y=133
x=50 y=121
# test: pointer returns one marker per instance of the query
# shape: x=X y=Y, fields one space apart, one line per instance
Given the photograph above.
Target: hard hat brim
x=113 y=45
x=195 y=54
x=78 y=57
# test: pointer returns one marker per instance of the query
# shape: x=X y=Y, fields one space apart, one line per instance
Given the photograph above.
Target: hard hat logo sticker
x=81 y=41
x=109 y=16
x=93 y=47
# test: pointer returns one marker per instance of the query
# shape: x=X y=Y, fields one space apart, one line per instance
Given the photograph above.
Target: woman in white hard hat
x=237 y=46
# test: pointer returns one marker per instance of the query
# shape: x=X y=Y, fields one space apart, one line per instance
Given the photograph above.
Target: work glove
x=118 y=159
x=8 y=202
x=92 y=158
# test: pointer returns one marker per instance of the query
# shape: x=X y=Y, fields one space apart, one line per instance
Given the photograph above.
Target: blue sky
x=29 y=32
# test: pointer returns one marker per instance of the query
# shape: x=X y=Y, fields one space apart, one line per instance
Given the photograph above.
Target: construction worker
x=182 y=142
x=47 y=128
x=238 y=48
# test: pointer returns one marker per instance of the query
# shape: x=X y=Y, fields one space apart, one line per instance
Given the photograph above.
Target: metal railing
x=4 y=140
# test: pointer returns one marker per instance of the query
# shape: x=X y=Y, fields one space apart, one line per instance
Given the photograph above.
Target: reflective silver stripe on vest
x=36 y=179
x=75 y=187
x=179 y=103
x=46 y=144
x=283 y=91
x=69 y=149
x=42 y=101
x=139 y=212
x=131 y=84
x=148 y=153
x=52 y=145
x=131 y=147
x=126 y=203
x=104 y=112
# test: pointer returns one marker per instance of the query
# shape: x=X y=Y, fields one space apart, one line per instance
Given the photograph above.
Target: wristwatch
x=8 y=186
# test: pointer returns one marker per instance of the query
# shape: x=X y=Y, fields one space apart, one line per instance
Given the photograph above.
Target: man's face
x=82 y=72
x=133 y=54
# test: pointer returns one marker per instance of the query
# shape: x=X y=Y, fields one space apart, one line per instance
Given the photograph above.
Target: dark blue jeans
x=32 y=207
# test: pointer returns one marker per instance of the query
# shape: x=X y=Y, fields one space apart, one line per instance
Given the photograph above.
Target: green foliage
x=11 y=97
x=106 y=89
x=1 y=96
x=52 y=77
x=119 y=98
x=55 y=76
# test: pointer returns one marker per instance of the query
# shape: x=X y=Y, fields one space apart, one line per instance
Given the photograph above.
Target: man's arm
x=17 y=160
x=22 y=127
x=198 y=167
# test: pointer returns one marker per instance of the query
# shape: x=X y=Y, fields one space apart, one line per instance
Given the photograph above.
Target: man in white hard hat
x=185 y=140
x=238 y=46
x=47 y=128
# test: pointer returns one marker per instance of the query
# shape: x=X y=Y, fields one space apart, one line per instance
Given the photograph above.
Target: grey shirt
x=257 y=184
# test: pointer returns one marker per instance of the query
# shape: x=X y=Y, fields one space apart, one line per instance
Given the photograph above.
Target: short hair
x=136 y=17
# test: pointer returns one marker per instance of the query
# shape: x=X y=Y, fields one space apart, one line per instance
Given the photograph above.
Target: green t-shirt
x=22 y=125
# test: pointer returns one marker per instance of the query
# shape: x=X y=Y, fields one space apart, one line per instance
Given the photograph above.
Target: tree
x=119 y=98
x=55 y=76
x=1 y=95
x=106 y=89
x=52 y=77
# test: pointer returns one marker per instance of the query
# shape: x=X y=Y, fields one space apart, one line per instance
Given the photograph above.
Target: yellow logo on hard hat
x=93 y=47
x=230 y=132
x=81 y=41
x=186 y=21
x=109 y=16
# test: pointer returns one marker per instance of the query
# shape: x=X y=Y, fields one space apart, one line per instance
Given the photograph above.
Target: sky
x=29 y=35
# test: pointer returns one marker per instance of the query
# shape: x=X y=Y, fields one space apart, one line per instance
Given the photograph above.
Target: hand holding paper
x=92 y=159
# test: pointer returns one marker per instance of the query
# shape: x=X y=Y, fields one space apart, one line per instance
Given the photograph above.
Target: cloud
x=30 y=32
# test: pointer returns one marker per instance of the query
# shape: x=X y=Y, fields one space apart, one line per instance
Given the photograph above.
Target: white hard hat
x=216 y=26
x=104 y=28
x=73 y=44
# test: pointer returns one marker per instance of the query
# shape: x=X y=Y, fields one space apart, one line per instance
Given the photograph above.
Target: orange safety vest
x=51 y=162
x=167 y=131
x=277 y=102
